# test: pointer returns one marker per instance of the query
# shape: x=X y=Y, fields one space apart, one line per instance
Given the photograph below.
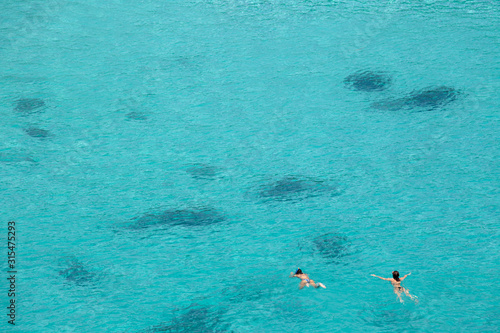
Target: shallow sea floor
x=169 y=163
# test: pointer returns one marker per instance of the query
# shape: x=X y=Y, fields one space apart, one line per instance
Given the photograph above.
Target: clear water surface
x=168 y=163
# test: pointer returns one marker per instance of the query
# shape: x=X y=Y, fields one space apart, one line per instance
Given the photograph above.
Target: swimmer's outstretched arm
x=292 y=274
x=381 y=277
x=404 y=277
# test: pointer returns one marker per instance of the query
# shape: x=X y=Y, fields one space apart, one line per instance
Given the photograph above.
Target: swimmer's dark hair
x=395 y=275
x=298 y=271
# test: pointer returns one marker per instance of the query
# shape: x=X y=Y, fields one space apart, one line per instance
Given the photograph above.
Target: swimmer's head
x=395 y=275
x=298 y=271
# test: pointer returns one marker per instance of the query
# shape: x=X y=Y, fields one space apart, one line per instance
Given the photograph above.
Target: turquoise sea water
x=168 y=163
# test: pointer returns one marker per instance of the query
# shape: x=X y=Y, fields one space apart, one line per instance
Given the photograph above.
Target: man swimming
x=305 y=280
x=396 y=283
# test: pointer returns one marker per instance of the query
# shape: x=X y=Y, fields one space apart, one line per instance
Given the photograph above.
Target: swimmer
x=305 y=280
x=396 y=283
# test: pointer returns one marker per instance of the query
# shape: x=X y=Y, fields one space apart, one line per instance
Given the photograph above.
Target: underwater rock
x=431 y=97
x=427 y=99
x=332 y=246
x=293 y=188
x=195 y=319
x=136 y=116
x=76 y=273
x=37 y=132
x=202 y=171
x=389 y=105
x=285 y=187
x=368 y=81
x=196 y=217
x=390 y=319
x=29 y=105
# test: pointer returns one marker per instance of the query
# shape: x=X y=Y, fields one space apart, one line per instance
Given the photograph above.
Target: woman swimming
x=396 y=283
x=305 y=280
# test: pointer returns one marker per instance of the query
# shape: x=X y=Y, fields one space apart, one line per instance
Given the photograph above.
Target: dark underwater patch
x=390 y=319
x=427 y=99
x=431 y=97
x=29 y=105
x=194 y=217
x=192 y=320
x=294 y=188
x=389 y=105
x=368 y=81
x=202 y=171
x=76 y=273
x=136 y=116
x=332 y=246
x=36 y=132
